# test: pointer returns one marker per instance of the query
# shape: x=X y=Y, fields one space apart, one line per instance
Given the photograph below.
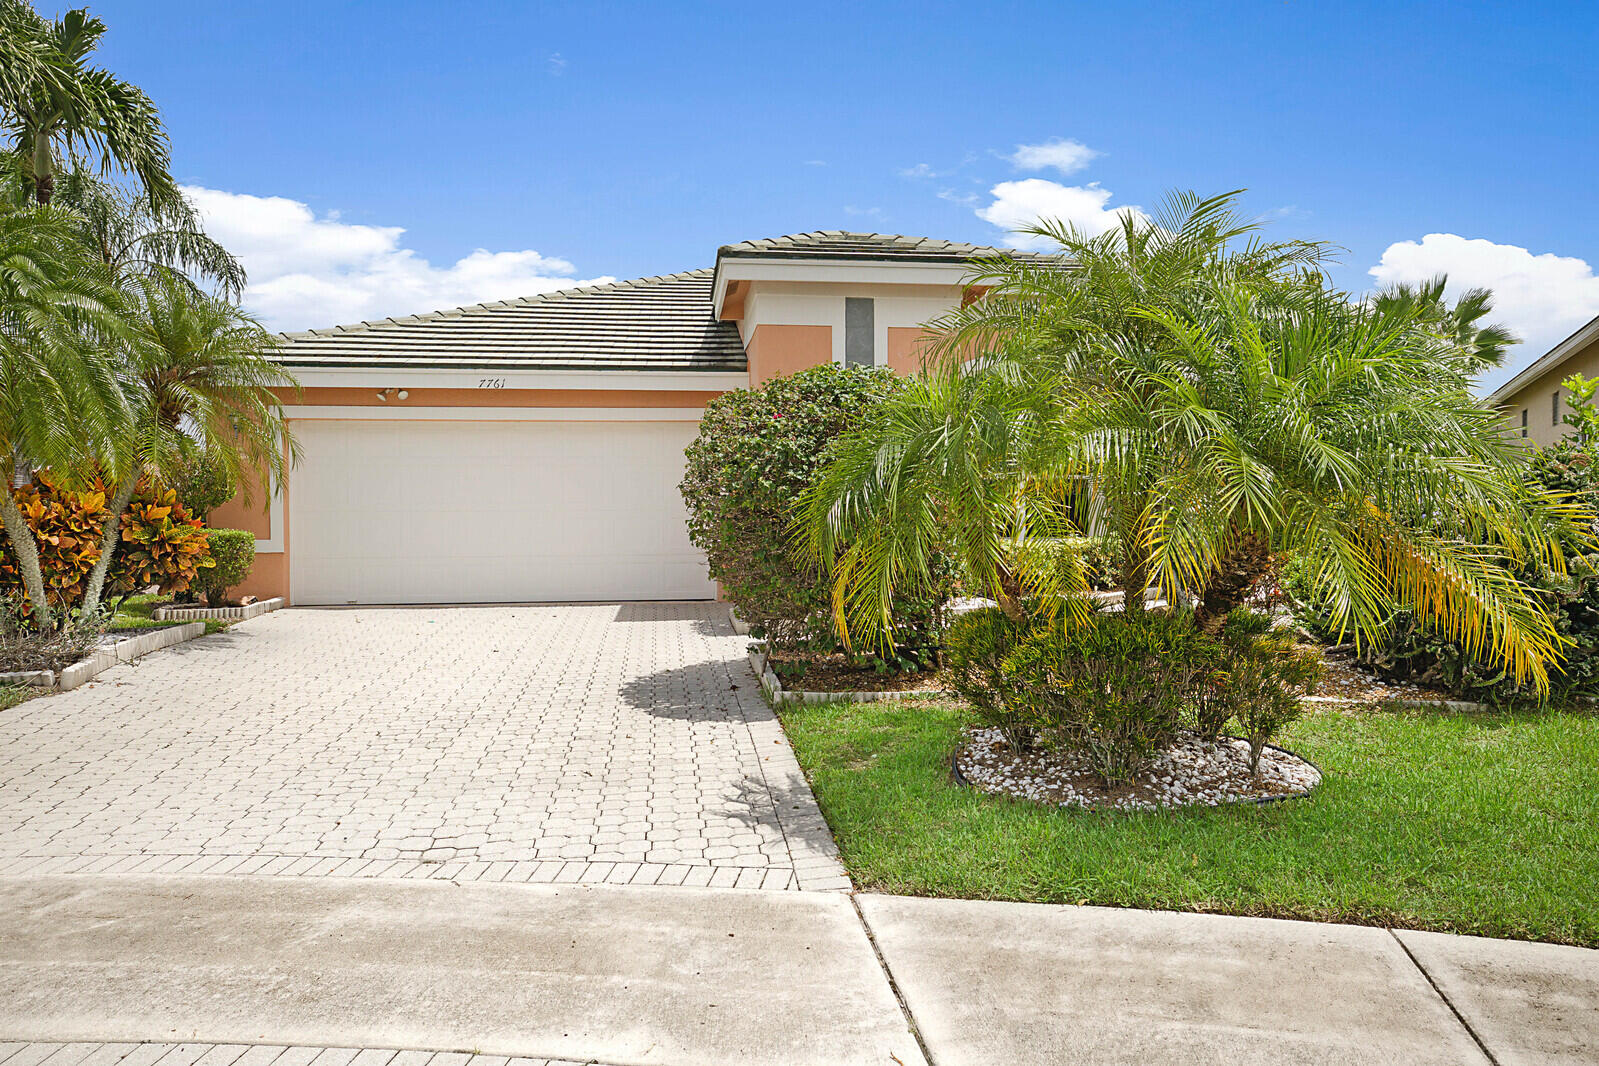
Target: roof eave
x=1578 y=340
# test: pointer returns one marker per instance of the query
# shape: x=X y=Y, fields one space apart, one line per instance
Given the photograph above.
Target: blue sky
x=358 y=155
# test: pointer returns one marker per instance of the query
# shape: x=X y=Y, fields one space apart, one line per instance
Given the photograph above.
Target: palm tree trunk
x=1236 y=576
x=109 y=534
x=26 y=549
x=1135 y=583
x=44 y=179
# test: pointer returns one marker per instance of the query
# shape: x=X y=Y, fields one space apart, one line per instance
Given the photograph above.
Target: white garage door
x=490 y=512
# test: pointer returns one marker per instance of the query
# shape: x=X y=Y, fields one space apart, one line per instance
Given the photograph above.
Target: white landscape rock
x=1192 y=772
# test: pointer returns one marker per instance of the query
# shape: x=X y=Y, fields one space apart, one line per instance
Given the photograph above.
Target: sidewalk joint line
x=893 y=985
x=1459 y=1017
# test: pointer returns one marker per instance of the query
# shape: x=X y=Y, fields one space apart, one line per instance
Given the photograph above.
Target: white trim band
x=399 y=412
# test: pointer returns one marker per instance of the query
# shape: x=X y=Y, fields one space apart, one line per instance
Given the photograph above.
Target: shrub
x=1260 y=682
x=232 y=555
x=162 y=544
x=978 y=646
x=66 y=526
x=202 y=483
x=757 y=451
x=1101 y=557
x=1114 y=690
x=23 y=647
x=1413 y=652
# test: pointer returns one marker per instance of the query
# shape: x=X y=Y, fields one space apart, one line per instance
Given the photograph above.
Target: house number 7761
x=491 y=383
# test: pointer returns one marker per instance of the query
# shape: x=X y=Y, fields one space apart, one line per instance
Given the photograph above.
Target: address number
x=491 y=383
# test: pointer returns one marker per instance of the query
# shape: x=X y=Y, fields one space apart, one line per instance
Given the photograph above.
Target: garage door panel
x=433 y=512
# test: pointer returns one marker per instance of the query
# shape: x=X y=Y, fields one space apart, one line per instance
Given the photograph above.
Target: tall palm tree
x=65 y=107
x=1482 y=346
x=60 y=396
x=198 y=375
x=1220 y=403
x=137 y=235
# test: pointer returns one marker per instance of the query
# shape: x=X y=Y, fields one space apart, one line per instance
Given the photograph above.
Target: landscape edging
x=218 y=614
x=123 y=651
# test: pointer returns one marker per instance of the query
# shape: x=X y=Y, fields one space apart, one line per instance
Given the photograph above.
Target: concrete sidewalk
x=213 y=968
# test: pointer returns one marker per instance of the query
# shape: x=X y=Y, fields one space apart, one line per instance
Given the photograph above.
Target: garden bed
x=834 y=673
x=1193 y=772
x=1343 y=680
x=113 y=649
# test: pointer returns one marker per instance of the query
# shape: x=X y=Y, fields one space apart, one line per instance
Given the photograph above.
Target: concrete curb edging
x=30 y=678
x=105 y=658
x=774 y=691
x=219 y=614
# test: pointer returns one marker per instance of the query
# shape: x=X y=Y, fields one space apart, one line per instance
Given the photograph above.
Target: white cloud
x=1066 y=156
x=1542 y=298
x=1020 y=203
x=920 y=170
x=308 y=272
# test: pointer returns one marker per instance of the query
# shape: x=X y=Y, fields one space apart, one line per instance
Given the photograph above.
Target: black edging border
x=1255 y=801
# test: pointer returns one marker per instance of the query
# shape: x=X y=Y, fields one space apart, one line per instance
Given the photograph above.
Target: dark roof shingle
x=659 y=323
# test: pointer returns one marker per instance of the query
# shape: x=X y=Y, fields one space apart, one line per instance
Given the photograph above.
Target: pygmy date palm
x=60 y=396
x=198 y=375
x=1219 y=404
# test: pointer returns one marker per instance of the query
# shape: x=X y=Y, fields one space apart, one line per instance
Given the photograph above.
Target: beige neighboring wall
x=1544 y=399
x=776 y=350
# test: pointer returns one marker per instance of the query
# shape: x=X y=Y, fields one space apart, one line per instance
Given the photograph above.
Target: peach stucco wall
x=776 y=350
x=906 y=348
x=269 y=575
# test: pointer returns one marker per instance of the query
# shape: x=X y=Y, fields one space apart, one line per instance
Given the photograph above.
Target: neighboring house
x=530 y=450
x=1534 y=401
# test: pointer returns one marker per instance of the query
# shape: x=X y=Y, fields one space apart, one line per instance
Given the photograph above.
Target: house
x=1534 y=400
x=530 y=450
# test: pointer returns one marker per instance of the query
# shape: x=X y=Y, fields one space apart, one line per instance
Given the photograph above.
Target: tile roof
x=842 y=244
x=659 y=323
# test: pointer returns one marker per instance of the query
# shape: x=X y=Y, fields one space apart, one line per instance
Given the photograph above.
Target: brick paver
x=593 y=743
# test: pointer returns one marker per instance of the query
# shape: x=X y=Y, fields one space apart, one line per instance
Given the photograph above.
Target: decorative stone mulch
x=1193 y=772
x=1342 y=680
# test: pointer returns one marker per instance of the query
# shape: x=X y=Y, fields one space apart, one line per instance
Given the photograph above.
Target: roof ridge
x=905 y=240
x=519 y=301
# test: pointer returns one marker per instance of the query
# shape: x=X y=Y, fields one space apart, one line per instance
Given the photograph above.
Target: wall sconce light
x=383 y=395
x=404 y=395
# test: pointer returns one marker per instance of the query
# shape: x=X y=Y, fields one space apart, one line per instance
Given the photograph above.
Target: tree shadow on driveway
x=777 y=796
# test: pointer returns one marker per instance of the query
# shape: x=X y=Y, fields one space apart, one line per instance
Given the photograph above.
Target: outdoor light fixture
x=383 y=394
x=404 y=395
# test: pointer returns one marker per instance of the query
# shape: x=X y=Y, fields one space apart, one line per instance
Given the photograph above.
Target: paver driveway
x=620 y=743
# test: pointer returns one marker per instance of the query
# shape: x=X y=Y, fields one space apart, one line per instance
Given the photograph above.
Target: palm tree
x=198 y=376
x=59 y=391
x=1482 y=346
x=1220 y=404
x=63 y=107
x=137 y=235
x=971 y=433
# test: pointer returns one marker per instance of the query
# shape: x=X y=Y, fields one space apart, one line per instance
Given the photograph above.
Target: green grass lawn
x=1485 y=824
x=11 y=695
